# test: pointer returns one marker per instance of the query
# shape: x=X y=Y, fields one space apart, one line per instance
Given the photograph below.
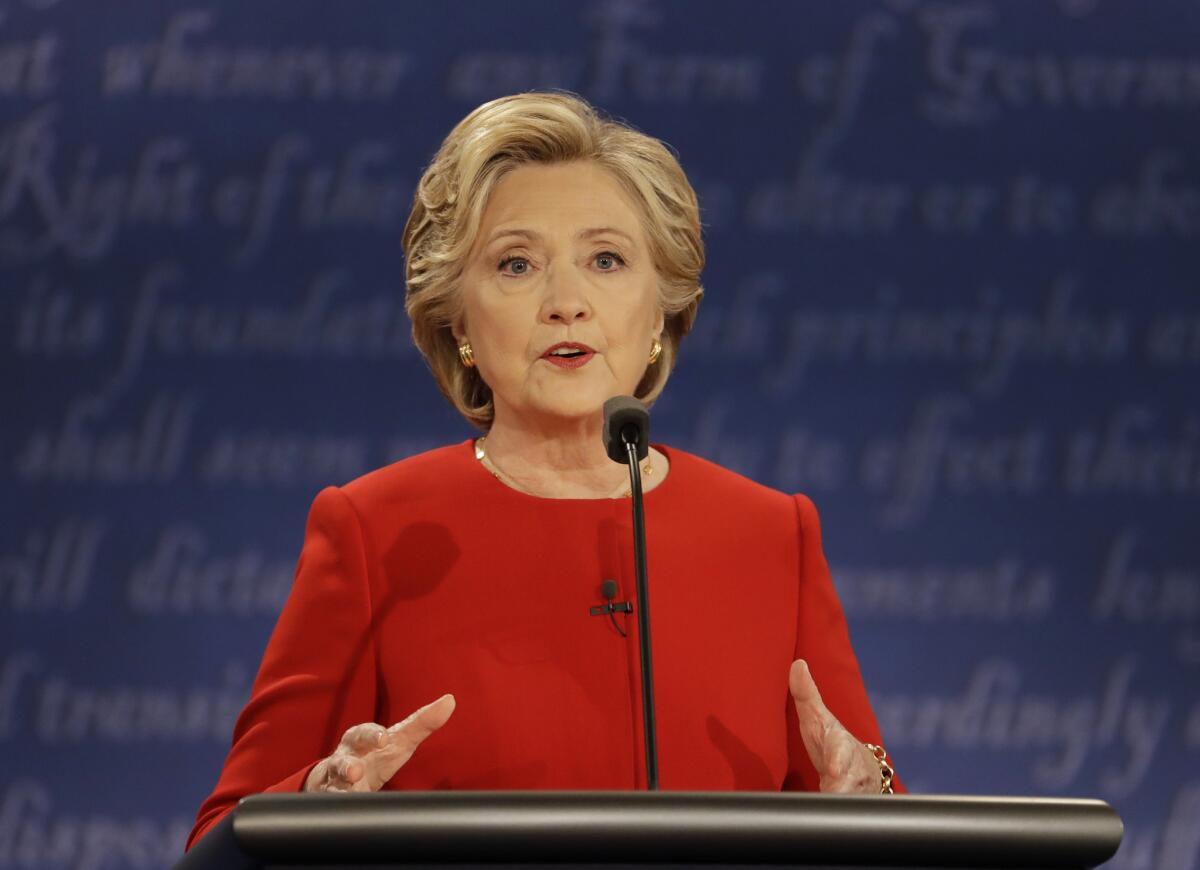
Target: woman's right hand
x=369 y=754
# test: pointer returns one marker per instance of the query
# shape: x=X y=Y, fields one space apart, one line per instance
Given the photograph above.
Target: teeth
x=563 y=351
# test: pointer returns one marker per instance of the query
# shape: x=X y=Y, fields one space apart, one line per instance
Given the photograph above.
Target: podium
x=629 y=829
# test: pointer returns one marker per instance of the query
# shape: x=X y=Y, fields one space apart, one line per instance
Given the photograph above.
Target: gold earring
x=466 y=355
x=655 y=351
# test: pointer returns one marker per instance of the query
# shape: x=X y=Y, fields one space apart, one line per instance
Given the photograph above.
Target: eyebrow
x=582 y=234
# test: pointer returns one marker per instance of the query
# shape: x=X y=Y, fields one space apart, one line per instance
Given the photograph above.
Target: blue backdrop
x=952 y=295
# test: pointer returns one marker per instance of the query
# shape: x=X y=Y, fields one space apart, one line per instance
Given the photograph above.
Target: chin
x=585 y=403
x=572 y=410
x=582 y=399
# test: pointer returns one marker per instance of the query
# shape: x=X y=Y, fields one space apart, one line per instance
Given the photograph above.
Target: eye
x=607 y=261
x=520 y=264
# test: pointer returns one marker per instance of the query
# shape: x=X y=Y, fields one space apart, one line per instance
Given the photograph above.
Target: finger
x=329 y=774
x=364 y=738
x=347 y=769
x=423 y=722
x=401 y=741
x=403 y=738
x=318 y=776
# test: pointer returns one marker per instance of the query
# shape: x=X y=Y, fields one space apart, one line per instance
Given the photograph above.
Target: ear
x=660 y=323
x=457 y=330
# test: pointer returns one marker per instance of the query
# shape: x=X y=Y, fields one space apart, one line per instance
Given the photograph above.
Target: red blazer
x=431 y=576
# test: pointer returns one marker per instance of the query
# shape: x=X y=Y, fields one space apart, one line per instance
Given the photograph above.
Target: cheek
x=634 y=317
x=636 y=329
x=499 y=328
x=504 y=351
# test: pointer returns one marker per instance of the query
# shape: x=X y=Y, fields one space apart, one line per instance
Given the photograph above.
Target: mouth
x=568 y=355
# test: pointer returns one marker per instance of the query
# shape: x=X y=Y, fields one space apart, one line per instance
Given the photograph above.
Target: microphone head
x=626 y=419
x=609 y=589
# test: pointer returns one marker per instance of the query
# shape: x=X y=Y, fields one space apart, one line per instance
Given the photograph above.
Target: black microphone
x=626 y=419
x=609 y=590
x=627 y=440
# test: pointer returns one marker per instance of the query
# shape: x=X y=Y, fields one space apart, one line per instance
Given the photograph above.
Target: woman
x=553 y=261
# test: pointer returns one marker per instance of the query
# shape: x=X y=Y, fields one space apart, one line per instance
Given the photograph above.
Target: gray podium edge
x=634 y=828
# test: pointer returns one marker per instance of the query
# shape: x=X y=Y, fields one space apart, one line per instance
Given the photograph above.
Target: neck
x=559 y=459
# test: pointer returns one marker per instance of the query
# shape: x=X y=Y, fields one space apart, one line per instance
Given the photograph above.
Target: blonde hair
x=541 y=127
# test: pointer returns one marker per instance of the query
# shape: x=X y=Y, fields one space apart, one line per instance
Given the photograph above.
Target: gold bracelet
x=885 y=770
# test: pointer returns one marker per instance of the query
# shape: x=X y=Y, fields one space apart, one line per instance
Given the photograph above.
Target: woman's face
x=560 y=257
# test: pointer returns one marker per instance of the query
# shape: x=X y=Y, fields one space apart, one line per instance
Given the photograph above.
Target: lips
x=568 y=354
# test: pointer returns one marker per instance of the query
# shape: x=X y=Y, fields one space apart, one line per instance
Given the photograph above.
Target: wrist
x=886 y=772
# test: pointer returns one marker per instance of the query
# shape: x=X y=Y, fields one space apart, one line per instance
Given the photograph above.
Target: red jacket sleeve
x=823 y=640
x=318 y=673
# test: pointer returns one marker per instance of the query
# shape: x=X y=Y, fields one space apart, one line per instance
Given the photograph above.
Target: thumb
x=815 y=718
x=803 y=688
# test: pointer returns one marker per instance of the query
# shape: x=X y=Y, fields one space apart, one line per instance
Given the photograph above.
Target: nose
x=565 y=300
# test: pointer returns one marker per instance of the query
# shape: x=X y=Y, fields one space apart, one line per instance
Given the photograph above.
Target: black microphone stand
x=643 y=616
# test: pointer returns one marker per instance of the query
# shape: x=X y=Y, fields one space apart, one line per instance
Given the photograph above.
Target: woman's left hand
x=843 y=763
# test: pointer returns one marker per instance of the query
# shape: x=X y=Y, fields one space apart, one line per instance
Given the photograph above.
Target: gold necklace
x=486 y=461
